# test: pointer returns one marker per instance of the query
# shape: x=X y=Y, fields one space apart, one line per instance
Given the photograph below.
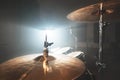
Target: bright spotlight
x=57 y=36
x=49 y=33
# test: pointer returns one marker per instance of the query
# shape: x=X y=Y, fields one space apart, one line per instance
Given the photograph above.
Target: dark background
x=19 y=17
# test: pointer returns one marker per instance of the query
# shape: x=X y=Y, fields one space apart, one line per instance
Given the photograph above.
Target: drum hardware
x=55 y=66
x=86 y=76
x=95 y=13
x=101 y=25
x=46 y=44
x=75 y=38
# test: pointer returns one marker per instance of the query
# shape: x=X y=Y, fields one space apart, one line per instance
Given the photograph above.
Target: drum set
x=65 y=63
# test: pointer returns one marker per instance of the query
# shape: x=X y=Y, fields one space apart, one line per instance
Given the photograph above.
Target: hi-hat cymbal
x=30 y=67
x=111 y=11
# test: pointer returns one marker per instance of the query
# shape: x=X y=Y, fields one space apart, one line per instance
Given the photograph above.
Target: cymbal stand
x=75 y=38
x=46 y=45
x=45 y=55
x=101 y=25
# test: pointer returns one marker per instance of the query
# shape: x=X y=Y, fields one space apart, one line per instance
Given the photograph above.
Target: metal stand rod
x=45 y=55
x=100 y=33
x=75 y=39
x=76 y=45
x=101 y=25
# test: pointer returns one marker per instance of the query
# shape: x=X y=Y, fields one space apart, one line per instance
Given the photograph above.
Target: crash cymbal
x=31 y=67
x=111 y=11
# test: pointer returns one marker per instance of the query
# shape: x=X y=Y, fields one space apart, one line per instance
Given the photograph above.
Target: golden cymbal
x=31 y=67
x=111 y=11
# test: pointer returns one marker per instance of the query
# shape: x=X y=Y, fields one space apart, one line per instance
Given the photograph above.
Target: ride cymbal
x=111 y=11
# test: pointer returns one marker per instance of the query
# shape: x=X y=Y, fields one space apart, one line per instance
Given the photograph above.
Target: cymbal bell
x=61 y=67
x=111 y=11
